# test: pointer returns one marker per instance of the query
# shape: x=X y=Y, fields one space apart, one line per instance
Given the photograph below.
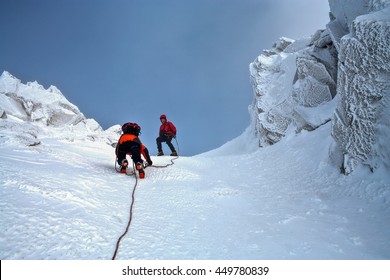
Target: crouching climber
x=130 y=144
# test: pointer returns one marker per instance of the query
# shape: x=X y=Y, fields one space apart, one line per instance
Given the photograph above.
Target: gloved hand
x=150 y=162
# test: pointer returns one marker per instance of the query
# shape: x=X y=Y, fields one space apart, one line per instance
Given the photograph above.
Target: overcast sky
x=133 y=60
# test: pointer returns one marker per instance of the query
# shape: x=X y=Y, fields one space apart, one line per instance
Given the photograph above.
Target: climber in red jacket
x=166 y=133
x=130 y=144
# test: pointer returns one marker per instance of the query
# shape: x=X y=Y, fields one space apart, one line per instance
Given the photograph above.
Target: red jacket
x=167 y=128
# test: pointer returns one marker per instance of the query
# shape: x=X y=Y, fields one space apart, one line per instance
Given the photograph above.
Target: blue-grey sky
x=133 y=60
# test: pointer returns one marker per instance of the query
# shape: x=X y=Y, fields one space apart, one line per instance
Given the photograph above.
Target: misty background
x=133 y=60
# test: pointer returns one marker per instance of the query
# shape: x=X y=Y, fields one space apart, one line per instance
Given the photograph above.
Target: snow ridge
x=46 y=113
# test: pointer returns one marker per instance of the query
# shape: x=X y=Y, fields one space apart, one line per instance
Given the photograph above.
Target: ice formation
x=361 y=122
x=40 y=109
x=340 y=74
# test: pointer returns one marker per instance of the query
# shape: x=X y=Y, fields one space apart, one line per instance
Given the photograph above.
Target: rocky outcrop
x=340 y=74
x=361 y=121
x=293 y=84
x=29 y=112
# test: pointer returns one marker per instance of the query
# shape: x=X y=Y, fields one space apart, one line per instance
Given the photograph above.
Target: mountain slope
x=64 y=200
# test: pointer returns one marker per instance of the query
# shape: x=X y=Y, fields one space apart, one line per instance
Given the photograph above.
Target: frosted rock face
x=31 y=102
x=292 y=83
x=33 y=111
x=344 y=12
x=361 y=124
x=340 y=74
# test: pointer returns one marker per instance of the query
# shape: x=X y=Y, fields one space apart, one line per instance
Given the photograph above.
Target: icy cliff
x=29 y=112
x=361 y=122
x=294 y=84
x=340 y=74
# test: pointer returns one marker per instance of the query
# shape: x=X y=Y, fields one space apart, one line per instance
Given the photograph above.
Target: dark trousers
x=166 y=139
x=130 y=148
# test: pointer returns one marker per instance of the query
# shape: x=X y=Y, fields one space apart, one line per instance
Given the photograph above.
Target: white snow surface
x=63 y=199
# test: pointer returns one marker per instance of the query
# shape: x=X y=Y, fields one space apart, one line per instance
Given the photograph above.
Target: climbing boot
x=140 y=169
x=124 y=165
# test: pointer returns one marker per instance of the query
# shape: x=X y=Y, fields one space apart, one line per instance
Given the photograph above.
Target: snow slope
x=63 y=200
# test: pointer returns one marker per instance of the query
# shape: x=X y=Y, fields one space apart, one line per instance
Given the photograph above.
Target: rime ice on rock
x=340 y=74
x=30 y=109
x=31 y=102
x=292 y=84
x=361 y=121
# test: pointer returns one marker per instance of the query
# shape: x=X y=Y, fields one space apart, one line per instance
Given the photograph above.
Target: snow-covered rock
x=361 y=123
x=340 y=74
x=29 y=112
x=293 y=82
